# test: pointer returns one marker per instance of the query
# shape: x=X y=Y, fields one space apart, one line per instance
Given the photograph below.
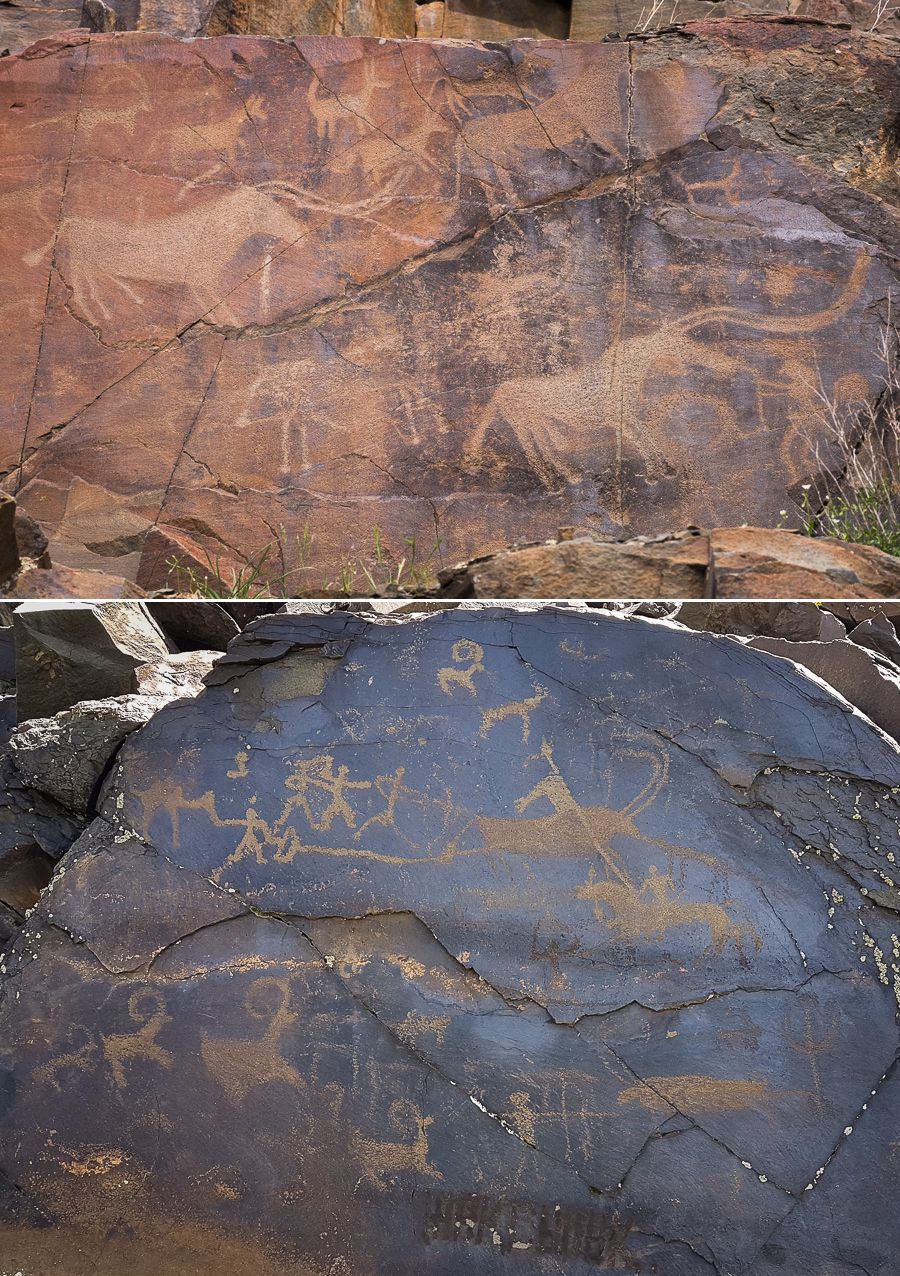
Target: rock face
x=593 y=19
x=66 y=756
x=451 y=291
x=80 y=652
x=799 y=622
x=868 y=681
x=24 y=21
x=744 y=562
x=469 y=985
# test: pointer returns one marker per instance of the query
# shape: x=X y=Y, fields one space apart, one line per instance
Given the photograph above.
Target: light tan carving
x=239 y=1065
x=381 y=1161
x=147 y=1009
x=462 y=674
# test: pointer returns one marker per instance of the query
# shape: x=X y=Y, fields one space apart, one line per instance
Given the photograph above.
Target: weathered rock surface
x=66 y=756
x=745 y=562
x=555 y=939
x=800 y=622
x=24 y=872
x=865 y=679
x=757 y=562
x=593 y=19
x=7 y=654
x=451 y=290
x=878 y=634
x=51 y=769
x=80 y=651
x=24 y=21
x=208 y=627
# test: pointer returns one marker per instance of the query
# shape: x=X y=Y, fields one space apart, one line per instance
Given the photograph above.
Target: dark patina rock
x=80 y=651
x=546 y=942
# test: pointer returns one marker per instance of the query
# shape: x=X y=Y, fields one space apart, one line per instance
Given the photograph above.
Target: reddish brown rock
x=68 y=582
x=505 y=19
x=430 y=20
x=395 y=18
x=451 y=291
x=742 y=562
x=751 y=562
x=584 y=568
x=9 y=549
x=21 y=24
x=594 y=19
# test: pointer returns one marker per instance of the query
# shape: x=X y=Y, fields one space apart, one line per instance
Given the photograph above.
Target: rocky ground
x=392 y=943
x=740 y=562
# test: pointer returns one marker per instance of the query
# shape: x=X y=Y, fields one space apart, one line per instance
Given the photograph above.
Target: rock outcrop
x=22 y=22
x=451 y=292
x=743 y=562
x=81 y=652
x=461 y=938
x=82 y=679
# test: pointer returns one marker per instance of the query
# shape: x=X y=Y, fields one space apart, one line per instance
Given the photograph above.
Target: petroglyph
x=461 y=674
x=813 y=1044
x=498 y=980
x=383 y=1160
x=240 y=1064
x=148 y=1010
x=649 y=911
x=513 y=709
x=559 y=440
x=698 y=1093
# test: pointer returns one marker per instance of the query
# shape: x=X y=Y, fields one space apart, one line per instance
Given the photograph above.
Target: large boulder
x=364 y=293
x=66 y=756
x=867 y=680
x=193 y=627
x=51 y=770
x=743 y=562
x=800 y=622
x=584 y=567
x=80 y=651
x=554 y=939
x=878 y=633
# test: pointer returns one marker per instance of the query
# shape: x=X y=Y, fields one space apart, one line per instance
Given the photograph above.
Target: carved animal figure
x=239 y=1065
x=558 y=420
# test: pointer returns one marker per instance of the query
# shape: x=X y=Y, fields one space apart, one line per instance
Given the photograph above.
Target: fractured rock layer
x=461 y=941
x=448 y=290
x=22 y=22
x=740 y=562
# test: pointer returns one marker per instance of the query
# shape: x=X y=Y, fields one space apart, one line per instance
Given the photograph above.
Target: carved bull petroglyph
x=558 y=420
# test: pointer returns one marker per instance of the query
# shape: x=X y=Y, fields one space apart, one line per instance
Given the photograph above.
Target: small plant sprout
x=376 y=574
x=856 y=448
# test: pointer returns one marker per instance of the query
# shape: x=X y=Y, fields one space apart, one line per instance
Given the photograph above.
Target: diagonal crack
x=884 y=1078
x=53 y=266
